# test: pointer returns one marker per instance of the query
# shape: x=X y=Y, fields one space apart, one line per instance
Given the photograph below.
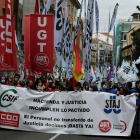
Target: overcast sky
x=125 y=10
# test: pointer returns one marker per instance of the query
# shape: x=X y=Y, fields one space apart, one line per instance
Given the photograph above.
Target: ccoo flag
x=78 y=71
x=8 y=54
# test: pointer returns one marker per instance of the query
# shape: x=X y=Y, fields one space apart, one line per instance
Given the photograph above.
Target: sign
x=41 y=42
x=3 y=66
x=82 y=113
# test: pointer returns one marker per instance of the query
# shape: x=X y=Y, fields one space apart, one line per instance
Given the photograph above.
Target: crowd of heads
x=48 y=84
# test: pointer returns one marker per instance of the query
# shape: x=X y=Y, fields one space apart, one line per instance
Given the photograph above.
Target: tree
x=136 y=42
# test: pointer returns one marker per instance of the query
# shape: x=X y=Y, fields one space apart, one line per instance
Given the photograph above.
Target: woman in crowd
x=121 y=91
x=39 y=85
x=52 y=88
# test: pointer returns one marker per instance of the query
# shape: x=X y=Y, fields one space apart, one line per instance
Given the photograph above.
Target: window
x=126 y=27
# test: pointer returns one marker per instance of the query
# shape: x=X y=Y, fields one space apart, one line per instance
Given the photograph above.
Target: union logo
x=104 y=126
x=41 y=60
x=2 y=59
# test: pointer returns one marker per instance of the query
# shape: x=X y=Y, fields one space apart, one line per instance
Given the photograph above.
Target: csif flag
x=78 y=71
x=8 y=54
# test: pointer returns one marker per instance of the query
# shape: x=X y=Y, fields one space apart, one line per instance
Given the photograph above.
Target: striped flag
x=78 y=71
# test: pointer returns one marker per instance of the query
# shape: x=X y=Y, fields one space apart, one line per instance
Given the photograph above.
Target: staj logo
x=112 y=105
x=105 y=126
x=41 y=60
x=8 y=97
x=9 y=119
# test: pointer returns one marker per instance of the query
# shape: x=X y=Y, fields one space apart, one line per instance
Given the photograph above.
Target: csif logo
x=6 y=98
x=112 y=105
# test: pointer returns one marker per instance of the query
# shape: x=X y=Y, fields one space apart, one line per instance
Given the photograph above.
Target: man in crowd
x=3 y=80
x=16 y=79
x=109 y=89
x=129 y=89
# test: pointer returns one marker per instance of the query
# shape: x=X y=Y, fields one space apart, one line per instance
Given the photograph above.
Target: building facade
x=102 y=47
x=128 y=50
x=123 y=27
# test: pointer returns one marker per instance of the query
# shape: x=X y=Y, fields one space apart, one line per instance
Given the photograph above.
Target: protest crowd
x=77 y=77
x=42 y=84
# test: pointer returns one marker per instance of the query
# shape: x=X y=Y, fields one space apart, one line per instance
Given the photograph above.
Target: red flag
x=4 y=66
x=8 y=54
x=36 y=7
x=31 y=76
x=41 y=42
x=78 y=71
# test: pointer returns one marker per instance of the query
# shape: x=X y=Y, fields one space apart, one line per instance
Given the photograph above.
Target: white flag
x=47 y=6
x=58 y=32
x=87 y=44
x=93 y=77
x=124 y=70
x=132 y=75
x=137 y=61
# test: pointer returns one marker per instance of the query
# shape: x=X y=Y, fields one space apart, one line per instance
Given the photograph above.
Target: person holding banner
x=29 y=84
x=39 y=86
x=16 y=79
x=109 y=89
x=3 y=80
x=52 y=88
x=129 y=89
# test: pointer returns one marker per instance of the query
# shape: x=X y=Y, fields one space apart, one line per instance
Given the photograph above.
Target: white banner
x=85 y=113
x=58 y=31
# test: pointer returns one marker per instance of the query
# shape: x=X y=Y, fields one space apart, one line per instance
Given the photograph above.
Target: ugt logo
x=8 y=97
x=112 y=105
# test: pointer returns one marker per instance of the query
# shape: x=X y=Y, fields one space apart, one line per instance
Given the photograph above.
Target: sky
x=125 y=10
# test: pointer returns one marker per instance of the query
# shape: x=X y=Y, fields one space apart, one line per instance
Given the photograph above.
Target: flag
x=93 y=77
x=20 y=60
x=67 y=39
x=47 y=6
x=111 y=24
x=31 y=76
x=110 y=72
x=58 y=31
x=97 y=28
x=8 y=54
x=124 y=70
x=114 y=43
x=69 y=72
x=137 y=61
x=78 y=71
x=132 y=75
x=23 y=71
x=85 y=32
x=88 y=41
x=36 y=11
x=98 y=78
x=114 y=17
